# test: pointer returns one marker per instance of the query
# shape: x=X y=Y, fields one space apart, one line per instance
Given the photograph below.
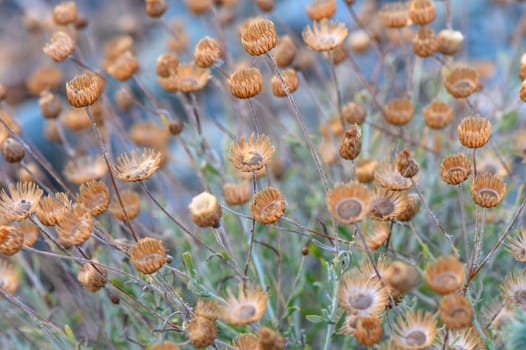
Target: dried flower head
x=359 y=41
x=513 y=289
x=456 y=311
x=21 y=201
x=148 y=255
x=449 y=41
x=462 y=82
x=95 y=196
x=207 y=52
x=167 y=64
x=123 y=66
x=137 y=165
x=29 y=232
x=353 y=113
x=75 y=227
x=394 y=14
x=465 y=339
x=84 y=89
x=351 y=145
x=155 y=8
x=149 y=134
x=321 y=9
x=246 y=342
x=399 y=111
x=268 y=205
x=92 y=276
x=445 y=275
x=252 y=154
x=284 y=52
x=190 y=78
x=236 y=193
x=59 y=47
x=411 y=209
x=415 y=331
x=248 y=307
x=44 y=78
x=9 y=280
x=517 y=246
x=437 y=114
x=332 y=128
x=376 y=234
x=291 y=81
x=324 y=35
x=425 y=42
x=387 y=205
x=258 y=36
x=202 y=332
x=165 y=345
x=245 y=82
x=132 y=205
x=455 y=168
x=422 y=11
x=365 y=169
x=369 y=330
x=349 y=203
x=198 y=7
x=12 y=150
x=362 y=296
x=11 y=240
x=85 y=168
x=265 y=5
x=401 y=277
x=388 y=177
x=50 y=105
x=474 y=132
x=205 y=210
x=488 y=190
x=406 y=164
x=65 y=13
x=52 y=208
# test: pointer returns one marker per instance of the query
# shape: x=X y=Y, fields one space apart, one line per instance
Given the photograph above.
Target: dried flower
x=400 y=276
x=351 y=144
x=353 y=113
x=488 y=190
x=247 y=308
x=83 y=169
x=236 y=193
x=265 y=5
x=207 y=52
x=517 y=246
x=324 y=35
x=245 y=82
x=456 y=311
x=425 y=42
x=416 y=330
x=389 y=177
x=406 y=165
x=366 y=169
x=75 y=227
x=258 y=36
x=190 y=78
x=411 y=209
x=84 y=89
x=268 y=205
x=252 y=154
x=362 y=296
x=246 y=342
x=284 y=52
x=422 y=11
x=148 y=255
x=359 y=41
x=455 y=168
x=394 y=14
x=137 y=165
x=291 y=82
x=349 y=203
x=155 y=8
x=95 y=196
x=449 y=41
x=132 y=205
x=198 y=7
x=52 y=208
x=11 y=240
x=205 y=210
x=92 y=276
x=437 y=114
x=65 y=13
x=202 y=332
x=387 y=205
x=123 y=66
x=167 y=64
x=399 y=111
x=59 y=47
x=369 y=330
x=50 y=105
x=513 y=289
x=445 y=275
x=474 y=132
x=8 y=276
x=462 y=82
x=149 y=134
x=21 y=201
x=321 y=9
x=13 y=150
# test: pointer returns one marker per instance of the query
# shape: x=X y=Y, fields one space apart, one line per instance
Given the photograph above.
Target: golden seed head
x=387 y=205
x=245 y=82
x=167 y=64
x=268 y=205
x=189 y=78
x=205 y=210
x=84 y=89
x=332 y=128
x=517 y=246
x=13 y=150
x=155 y=8
x=351 y=144
x=8 y=276
x=202 y=332
x=416 y=330
x=353 y=113
x=198 y=7
x=365 y=169
x=44 y=78
x=11 y=240
x=21 y=201
x=269 y=339
x=116 y=46
x=291 y=81
x=324 y=35
x=513 y=289
x=375 y=234
x=166 y=345
x=246 y=342
x=449 y=41
x=52 y=208
x=437 y=114
x=488 y=190
x=251 y=154
x=321 y=9
x=75 y=119
x=362 y=296
x=349 y=203
x=399 y=111
x=82 y=169
x=359 y=41
x=369 y=330
x=50 y=105
x=65 y=13
x=445 y=275
x=148 y=255
x=474 y=132
x=92 y=277
x=400 y=276
x=265 y=5
x=248 y=307
x=59 y=47
x=455 y=168
x=236 y=193
x=394 y=14
x=207 y=309
x=137 y=165
x=425 y=42
x=462 y=82
x=75 y=227
x=207 y=52
x=406 y=164
x=123 y=66
x=422 y=11
x=411 y=209
x=95 y=196
x=132 y=205
x=387 y=176
x=149 y=134
x=258 y=36
x=29 y=232
x=456 y=311
x=284 y=52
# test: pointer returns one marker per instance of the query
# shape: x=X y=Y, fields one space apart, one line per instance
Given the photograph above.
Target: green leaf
x=508 y=121
x=314 y=318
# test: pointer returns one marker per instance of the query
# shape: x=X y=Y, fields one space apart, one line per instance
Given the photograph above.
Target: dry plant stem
x=474 y=162
x=253 y=111
x=314 y=97
x=435 y=219
x=495 y=315
x=104 y=151
x=463 y=221
x=335 y=82
x=476 y=241
x=191 y=158
x=366 y=30
x=187 y=231
x=35 y=178
x=46 y=326
x=482 y=226
x=408 y=66
x=500 y=158
x=425 y=247
x=501 y=240
x=195 y=110
x=48 y=235
x=252 y=229
x=449 y=15
x=146 y=92
x=65 y=143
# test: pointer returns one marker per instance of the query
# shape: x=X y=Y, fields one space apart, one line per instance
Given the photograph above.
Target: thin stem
x=252 y=229
x=337 y=90
x=474 y=162
x=463 y=220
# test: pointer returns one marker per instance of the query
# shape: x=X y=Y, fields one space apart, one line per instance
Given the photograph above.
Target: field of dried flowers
x=208 y=174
